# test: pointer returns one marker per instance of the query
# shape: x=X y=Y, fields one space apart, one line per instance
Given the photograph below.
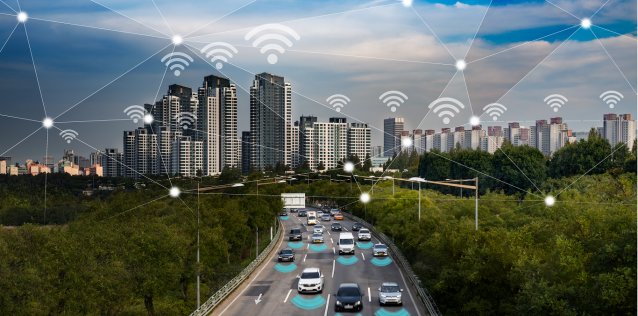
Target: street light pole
x=419 y=200
x=198 y=246
x=475 y=204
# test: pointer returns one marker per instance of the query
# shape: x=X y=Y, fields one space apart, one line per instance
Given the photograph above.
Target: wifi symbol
x=185 y=119
x=217 y=52
x=446 y=120
x=69 y=135
x=338 y=100
x=177 y=61
x=555 y=101
x=611 y=97
x=495 y=110
x=135 y=112
x=394 y=98
x=272 y=58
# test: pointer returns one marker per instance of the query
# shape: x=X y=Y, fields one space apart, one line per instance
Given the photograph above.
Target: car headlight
x=358 y=302
x=338 y=303
x=382 y=295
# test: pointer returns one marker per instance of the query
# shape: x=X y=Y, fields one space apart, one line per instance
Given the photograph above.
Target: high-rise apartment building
x=128 y=155
x=270 y=121
x=472 y=139
x=494 y=131
x=48 y=162
x=165 y=138
x=145 y=152
x=96 y=158
x=187 y=156
x=7 y=160
x=392 y=132
x=619 y=129
x=324 y=142
x=226 y=95
x=491 y=143
x=113 y=163
x=358 y=140
x=377 y=151
x=416 y=139
x=245 y=151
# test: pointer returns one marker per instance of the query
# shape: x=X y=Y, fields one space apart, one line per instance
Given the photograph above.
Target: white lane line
x=332 y=241
x=327 y=231
x=345 y=229
x=291 y=291
x=308 y=246
x=304 y=257
x=333 y=250
x=362 y=256
x=369 y=296
x=407 y=287
x=333 y=270
x=327 y=304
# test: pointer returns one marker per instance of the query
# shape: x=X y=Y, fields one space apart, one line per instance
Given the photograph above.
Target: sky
x=82 y=62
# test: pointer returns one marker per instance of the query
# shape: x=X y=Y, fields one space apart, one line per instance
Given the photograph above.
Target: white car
x=390 y=293
x=311 y=280
x=317 y=229
x=319 y=214
x=316 y=237
x=364 y=234
x=312 y=220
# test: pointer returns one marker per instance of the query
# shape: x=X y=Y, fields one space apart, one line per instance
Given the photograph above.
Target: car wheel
x=278 y=260
x=401 y=304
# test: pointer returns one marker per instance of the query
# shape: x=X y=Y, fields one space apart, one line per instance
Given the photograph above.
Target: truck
x=312 y=213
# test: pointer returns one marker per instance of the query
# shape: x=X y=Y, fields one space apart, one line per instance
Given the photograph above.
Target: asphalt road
x=277 y=282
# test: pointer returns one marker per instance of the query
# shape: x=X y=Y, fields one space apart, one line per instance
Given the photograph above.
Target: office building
x=392 y=132
x=7 y=160
x=187 y=156
x=245 y=151
x=3 y=167
x=96 y=158
x=270 y=121
x=113 y=163
x=416 y=139
x=358 y=140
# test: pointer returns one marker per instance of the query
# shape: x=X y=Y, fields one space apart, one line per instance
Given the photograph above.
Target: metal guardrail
x=423 y=292
x=227 y=289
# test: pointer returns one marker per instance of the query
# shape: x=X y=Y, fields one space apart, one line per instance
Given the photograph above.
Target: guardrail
x=220 y=295
x=423 y=292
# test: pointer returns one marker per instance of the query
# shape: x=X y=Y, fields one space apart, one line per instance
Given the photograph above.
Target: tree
x=587 y=155
x=520 y=166
x=414 y=159
x=434 y=166
x=199 y=172
x=468 y=160
x=367 y=164
x=321 y=166
x=356 y=161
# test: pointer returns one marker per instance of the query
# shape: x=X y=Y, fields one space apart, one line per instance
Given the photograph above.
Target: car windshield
x=348 y=291
x=358 y=224
x=364 y=231
x=318 y=226
x=286 y=252
x=388 y=288
x=336 y=224
x=317 y=235
x=310 y=275
x=380 y=247
x=295 y=231
x=346 y=241
x=311 y=217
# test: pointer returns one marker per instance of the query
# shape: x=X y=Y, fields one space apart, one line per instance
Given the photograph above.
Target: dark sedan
x=287 y=254
x=357 y=226
x=284 y=213
x=335 y=226
x=303 y=213
x=348 y=298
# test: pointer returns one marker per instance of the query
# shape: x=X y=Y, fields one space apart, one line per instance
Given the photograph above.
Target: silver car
x=318 y=229
x=364 y=234
x=380 y=250
x=390 y=293
x=316 y=237
x=311 y=280
x=325 y=218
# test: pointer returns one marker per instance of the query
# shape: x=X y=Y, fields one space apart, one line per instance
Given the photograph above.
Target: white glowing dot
x=460 y=64
x=177 y=39
x=555 y=109
x=365 y=198
x=272 y=59
x=174 y=192
x=47 y=123
x=22 y=16
x=406 y=142
x=446 y=120
x=407 y=3
x=586 y=23
x=177 y=73
x=219 y=65
x=474 y=121
x=339 y=109
x=549 y=200
x=494 y=118
x=148 y=119
x=349 y=167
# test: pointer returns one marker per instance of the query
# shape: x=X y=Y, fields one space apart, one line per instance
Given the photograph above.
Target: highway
x=275 y=286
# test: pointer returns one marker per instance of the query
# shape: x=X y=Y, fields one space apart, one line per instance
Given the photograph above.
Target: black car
x=348 y=298
x=295 y=234
x=336 y=226
x=284 y=213
x=357 y=226
x=303 y=213
x=286 y=254
x=292 y=210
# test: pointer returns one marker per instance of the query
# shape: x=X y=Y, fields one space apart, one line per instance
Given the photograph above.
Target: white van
x=312 y=213
x=346 y=243
x=311 y=220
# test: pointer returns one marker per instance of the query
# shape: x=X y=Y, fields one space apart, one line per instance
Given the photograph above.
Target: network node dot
x=585 y=23
x=148 y=119
x=460 y=64
x=177 y=40
x=22 y=17
x=406 y=142
x=474 y=121
x=219 y=65
x=339 y=109
x=494 y=118
x=47 y=123
x=175 y=192
x=549 y=200
x=272 y=59
x=365 y=198
x=407 y=3
x=349 y=167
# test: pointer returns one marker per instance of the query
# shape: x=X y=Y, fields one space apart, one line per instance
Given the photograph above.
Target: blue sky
x=357 y=48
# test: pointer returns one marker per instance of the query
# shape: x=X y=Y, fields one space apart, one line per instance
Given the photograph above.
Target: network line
x=122 y=14
x=478 y=29
x=612 y=60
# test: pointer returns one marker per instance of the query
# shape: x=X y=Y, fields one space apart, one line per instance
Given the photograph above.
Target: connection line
x=8 y=38
x=120 y=76
x=46 y=155
x=188 y=207
x=612 y=60
x=245 y=5
x=478 y=29
x=440 y=41
x=99 y=28
x=41 y=127
x=520 y=208
x=34 y=69
x=130 y=18
x=9 y=7
x=598 y=9
x=92 y=121
x=468 y=93
x=20 y=118
x=563 y=9
x=633 y=38
x=159 y=198
x=160 y=12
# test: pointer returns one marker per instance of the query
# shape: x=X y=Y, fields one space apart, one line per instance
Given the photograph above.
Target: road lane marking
x=304 y=257
x=369 y=296
x=332 y=241
x=333 y=269
x=308 y=246
x=328 y=232
x=407 y=287
x=287 y=295
x=362 y=256
x=327 y=304
x=345 y=229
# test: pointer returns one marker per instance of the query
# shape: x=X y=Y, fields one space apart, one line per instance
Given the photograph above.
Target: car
x=303 y=213
x=338 y=216
x=390 y=293
x=333 y=212
x=357 y=226
x=295 y=234
x=319 y=214
x=311 y=280
x=379 y=250
x=364 y=234
x=325 y=217
x=317 y=229
x=336 y=226
x=293 y=210
x=348 y=297
x=325 y=208
x=311 y=220
x=316 y=237
x=284 y=213
x=286 y=254
x=346 y=243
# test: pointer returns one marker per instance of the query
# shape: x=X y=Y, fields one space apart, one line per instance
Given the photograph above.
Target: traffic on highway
x=325 y=272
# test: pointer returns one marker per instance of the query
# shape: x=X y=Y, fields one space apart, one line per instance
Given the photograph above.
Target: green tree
x=520 y=166
x=469 y=164
x=321 y=166
x=414 y=159
x=367 y=164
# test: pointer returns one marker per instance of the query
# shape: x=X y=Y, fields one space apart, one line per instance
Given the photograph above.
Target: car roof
x=310 y=270
x=389 y=284
x=286 y=249
x=358 y=223
x=318 y=226
x=336 y=223
x=348 y=285
x=380 y=244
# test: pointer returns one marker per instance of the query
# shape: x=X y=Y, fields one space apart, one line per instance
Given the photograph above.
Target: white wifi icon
x=69 y=135
x=217 y=53
x=272 y=58
x=185 y=119
x=611 y=97
x=338 y=101
x=555 y=101
x=495 y=110
x=135 y=112
x=393 y=98
x=446 y=113
x=177 y=62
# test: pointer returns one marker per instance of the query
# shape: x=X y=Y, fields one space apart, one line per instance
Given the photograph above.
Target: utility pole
x=475 y=204
x=198 y=246
x=257 y=242
x=419 y=200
